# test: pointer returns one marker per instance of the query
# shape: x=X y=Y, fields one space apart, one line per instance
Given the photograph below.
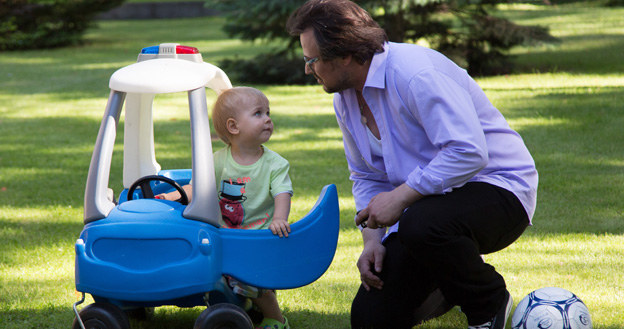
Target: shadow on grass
x=171 y=317
x=593 y=54
x=27 y=234
x=63 y=317
x=45 y=317
x=575 y=141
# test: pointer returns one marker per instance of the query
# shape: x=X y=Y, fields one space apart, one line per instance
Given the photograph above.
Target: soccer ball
x=551 y=308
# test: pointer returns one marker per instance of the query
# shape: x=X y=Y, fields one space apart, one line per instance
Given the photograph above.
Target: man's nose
x=307 y=69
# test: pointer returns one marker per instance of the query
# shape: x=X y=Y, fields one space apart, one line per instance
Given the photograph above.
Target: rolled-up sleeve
x=446 y=113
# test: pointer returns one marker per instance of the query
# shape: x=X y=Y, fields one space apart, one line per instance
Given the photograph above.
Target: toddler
x=253 y=185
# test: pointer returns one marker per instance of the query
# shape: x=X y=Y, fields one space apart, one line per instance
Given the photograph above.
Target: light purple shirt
x=438 y=131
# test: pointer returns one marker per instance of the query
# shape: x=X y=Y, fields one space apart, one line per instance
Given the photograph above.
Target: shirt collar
x=377 y=71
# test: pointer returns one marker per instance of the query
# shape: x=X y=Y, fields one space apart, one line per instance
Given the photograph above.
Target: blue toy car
x=139 y=252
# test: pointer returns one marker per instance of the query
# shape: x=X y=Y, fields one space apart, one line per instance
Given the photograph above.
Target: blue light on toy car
x=150 y=50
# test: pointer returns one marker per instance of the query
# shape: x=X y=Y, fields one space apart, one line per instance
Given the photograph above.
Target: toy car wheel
x=255 y=315
x=102 y=316
x=226 y=316
x=141 y=313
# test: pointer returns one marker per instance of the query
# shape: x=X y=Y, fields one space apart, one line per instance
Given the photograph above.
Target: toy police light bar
x=170 y=50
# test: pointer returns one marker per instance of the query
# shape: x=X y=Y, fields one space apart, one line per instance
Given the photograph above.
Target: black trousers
x=438 y=247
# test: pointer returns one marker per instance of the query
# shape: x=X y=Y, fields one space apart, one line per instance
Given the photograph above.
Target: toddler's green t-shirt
x=246 y=193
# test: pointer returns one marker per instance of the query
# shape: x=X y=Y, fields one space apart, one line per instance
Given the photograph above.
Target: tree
x=461 y=29
x=264 y=20
x=29 y=24
x=484 y=47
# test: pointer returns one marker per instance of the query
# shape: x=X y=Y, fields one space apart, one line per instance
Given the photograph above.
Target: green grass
x=565 y=100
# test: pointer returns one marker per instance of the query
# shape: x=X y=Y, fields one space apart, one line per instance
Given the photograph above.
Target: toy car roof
x=168 y=75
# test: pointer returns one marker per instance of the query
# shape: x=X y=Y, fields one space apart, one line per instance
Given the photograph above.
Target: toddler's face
x=254 y=120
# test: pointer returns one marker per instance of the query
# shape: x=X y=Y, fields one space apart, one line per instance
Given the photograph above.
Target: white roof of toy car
x=167 y=75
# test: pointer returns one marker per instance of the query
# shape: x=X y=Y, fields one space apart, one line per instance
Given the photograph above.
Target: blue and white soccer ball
x=551 y=308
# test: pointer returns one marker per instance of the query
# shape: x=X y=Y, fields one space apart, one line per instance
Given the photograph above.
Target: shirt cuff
x=424 y=183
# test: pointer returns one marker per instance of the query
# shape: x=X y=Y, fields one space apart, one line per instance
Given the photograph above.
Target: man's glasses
x=310 y=61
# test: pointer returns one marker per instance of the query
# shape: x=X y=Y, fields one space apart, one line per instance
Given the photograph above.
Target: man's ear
x=232 y=126
x=347 y=60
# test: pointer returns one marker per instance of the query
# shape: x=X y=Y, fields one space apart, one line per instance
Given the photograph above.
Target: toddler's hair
x=228 y=105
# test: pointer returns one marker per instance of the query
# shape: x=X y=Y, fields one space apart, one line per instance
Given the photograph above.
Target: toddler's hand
x=280 y=227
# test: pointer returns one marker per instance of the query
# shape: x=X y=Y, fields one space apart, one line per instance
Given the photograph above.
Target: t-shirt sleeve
x=280 y=180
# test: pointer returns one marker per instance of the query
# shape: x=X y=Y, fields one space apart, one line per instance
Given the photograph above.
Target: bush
x=262 y=20
x=483 y=48
x=29 y=24
x=268 y=68
x=463 y=30
x=615 y=3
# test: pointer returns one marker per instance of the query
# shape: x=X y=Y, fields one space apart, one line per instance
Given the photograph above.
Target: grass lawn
x=565 y=100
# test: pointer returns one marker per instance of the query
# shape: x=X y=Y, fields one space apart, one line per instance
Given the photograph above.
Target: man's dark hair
x=341 y=28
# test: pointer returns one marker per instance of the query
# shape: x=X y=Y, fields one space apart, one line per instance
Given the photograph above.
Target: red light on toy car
x=186 y=50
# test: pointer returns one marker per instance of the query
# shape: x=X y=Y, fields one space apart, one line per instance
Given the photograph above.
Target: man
x=439 y=177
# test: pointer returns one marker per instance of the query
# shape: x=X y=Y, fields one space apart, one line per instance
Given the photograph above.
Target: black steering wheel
x=146 y=188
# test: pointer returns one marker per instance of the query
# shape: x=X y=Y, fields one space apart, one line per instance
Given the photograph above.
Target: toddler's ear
x=232 y=126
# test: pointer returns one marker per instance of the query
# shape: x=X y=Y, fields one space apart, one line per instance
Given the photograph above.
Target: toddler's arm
x=280 y=225
x=175 y=195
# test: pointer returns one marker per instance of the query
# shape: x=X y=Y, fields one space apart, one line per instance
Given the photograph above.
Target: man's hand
x=371 y=260
x=280 y=227
x=385 y=208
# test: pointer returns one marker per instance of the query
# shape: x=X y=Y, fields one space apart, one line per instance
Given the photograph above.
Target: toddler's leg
x=267 y=303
